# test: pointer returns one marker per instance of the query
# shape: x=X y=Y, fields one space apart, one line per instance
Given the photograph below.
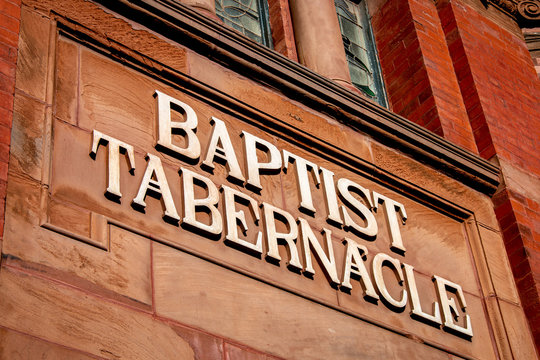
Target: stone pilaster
x=318 y=39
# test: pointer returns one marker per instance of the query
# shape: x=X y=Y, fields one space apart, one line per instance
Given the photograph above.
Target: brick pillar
x=10 y=14
x=418 y=71
x=501 y=91
x=318 y=39
x=282 y=29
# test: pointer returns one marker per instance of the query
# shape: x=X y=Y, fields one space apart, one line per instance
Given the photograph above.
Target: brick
x=281 y=27
x=517 y=257
x=7 y=83
x=8 y=53
x=7 y=68
x=427 y=47
x=6 y=117
x=8 y=37
x=10 y=8
x=5 y=135
x=72 y=318
x=4 y=153
x=6 y=100
x=3 y=170
x=9 y=22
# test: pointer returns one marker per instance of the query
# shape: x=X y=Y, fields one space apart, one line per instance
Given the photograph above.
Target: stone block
x=32 y=62
x=260 y=316
x=499 y=267
x=205 y=346
x=18 y=346
x=73 y=318
x=233 y=352
x=27 y=138
x=122 y=273
x=517 y=329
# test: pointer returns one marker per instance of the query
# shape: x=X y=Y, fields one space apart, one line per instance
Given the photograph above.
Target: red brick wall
x=282 y=29
x=10 y=13
x=418 y=71
x=466 y=74
x=501 y=91
x=498 y=82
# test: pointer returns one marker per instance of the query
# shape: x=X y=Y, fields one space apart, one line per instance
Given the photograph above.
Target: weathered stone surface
x=67 y=80
x=501 y=338
x=517 y=330
x=204 y=345
x=123 y=270
x=115 y=101
x=17 y=346
x=223 y=302
x=522 y=182
x=477 y=348
x=233 y=352
x=293 y=114
x=499 y=268
x=27 y=137
x=261 y=315
x=33 y=54
x=435 y=182
x=73 y=318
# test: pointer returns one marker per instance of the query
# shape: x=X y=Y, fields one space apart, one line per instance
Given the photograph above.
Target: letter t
x=115 y=148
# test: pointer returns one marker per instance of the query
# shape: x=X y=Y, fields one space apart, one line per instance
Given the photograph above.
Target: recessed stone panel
x=131 y=236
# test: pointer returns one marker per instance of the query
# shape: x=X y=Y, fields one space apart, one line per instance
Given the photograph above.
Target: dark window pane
x=360 y=49
x=250 y=17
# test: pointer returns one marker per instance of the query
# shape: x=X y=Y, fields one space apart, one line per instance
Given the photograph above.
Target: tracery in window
x=250 y=17
x=360 y=49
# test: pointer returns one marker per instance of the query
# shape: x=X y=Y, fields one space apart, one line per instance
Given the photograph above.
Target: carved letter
x=272 y=236
x=416 y=312
x=115 y=148
x=253 y=165
x=166 y=126
x=302 y=180
x=309 y=241
x=391 y=208
x=355 y=257
x=330 y=197
x=207 y=204
x=159 y=186
x=235 y=218
x=378 y=261
x=450 y=309
x=370 y=229
x=220 y=146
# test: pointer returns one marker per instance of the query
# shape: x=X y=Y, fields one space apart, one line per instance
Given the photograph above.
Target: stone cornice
x=526 y=12
x=232 y=49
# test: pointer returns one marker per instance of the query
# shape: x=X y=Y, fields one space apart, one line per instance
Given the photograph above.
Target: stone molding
x=526 y=12
x=232 y=49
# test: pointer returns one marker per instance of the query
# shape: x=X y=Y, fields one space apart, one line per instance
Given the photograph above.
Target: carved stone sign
x=239 y=212
x=354 y=212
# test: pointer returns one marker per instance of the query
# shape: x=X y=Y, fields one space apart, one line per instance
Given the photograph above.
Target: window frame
x=364 y=25
x=264 y=22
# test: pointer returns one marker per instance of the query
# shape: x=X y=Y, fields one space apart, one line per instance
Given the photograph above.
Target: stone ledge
x=236 y=51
